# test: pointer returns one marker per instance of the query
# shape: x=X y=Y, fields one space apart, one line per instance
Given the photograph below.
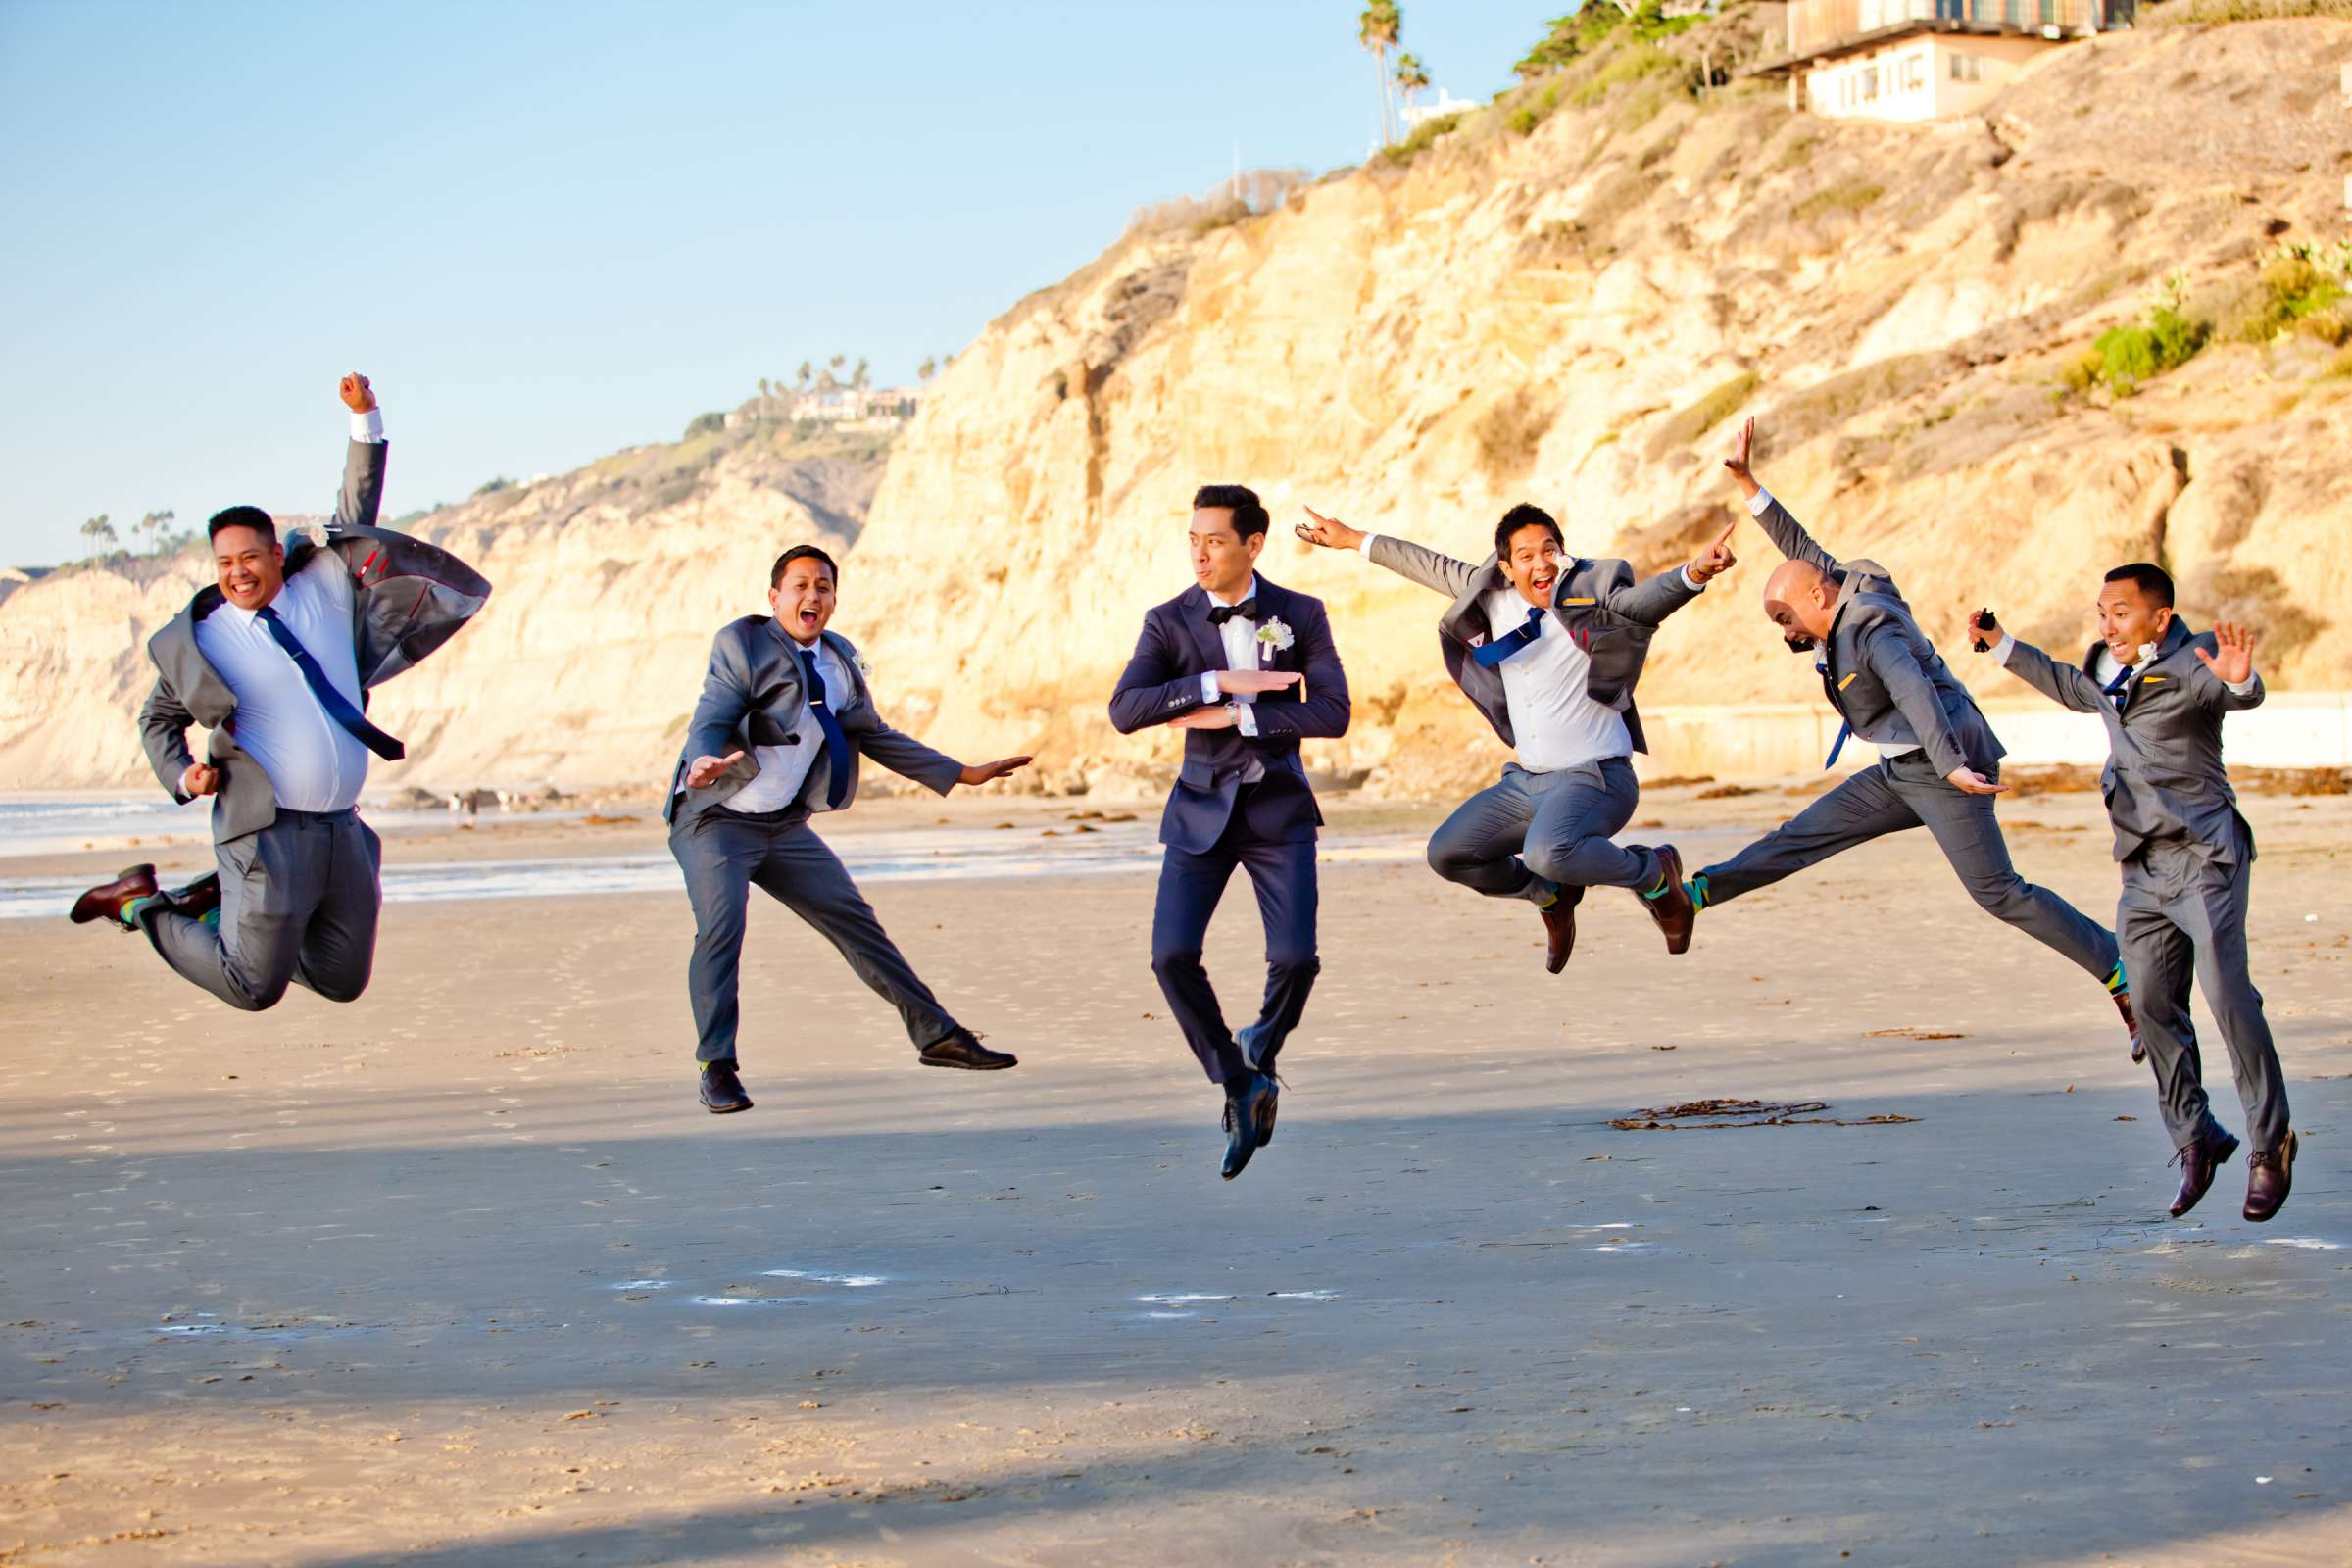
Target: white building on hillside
x=1912 y=60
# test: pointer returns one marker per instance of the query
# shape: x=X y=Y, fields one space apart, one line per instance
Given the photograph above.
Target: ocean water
x=897 y=854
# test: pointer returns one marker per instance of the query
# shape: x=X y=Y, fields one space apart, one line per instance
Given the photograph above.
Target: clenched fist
x=200 y=778
x=358 y=396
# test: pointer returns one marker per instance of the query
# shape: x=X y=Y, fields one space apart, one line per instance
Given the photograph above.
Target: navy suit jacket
x=1163 y=681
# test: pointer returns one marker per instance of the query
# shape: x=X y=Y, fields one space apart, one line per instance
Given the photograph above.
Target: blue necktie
x=837 y=745
x=2115 y=688
x=1846 y=728
x=1501 y=648
x=339 y=707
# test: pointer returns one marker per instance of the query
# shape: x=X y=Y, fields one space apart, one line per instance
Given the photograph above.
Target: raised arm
x=1896 y=664
x=2225 y=677
x=2062 y=684
x=1424 y=566
x=1785 y=532
x=1153 y=687
x=364 y=459
x=1324 y=711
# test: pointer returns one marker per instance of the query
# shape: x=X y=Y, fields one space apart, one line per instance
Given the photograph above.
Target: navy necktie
x=1496 y=651
x=837 y=745
x=1846 y=728
x=339 y=707
x=2115 y=689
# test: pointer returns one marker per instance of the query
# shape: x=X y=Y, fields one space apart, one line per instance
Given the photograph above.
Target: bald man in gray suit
x=2188 y=858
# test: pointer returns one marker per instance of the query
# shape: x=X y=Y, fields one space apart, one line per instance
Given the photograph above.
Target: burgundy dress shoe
x=105 y=901
x=198 y=899
x=963 y=1048
x=1673 y=909
x=2123 y=1005
x=2199 y=1161
x=2269 y=1173
x=1559 y=930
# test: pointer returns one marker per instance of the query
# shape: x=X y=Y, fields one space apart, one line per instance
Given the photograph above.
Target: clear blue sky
x=550 y=232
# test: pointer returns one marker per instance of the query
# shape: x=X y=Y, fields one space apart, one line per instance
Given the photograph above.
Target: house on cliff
x=1914 y=60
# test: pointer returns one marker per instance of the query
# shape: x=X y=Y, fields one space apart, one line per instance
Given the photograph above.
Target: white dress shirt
x=1239 y=635
x=1546 y=688
x=1757 y=505
x=314 y=763
x=784 y=769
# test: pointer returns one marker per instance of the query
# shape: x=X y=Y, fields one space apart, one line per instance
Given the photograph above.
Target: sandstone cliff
x=1575 y=316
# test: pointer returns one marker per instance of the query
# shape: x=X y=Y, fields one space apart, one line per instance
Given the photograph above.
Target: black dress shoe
x=2199 y=1161
x=2123 y=1005
x=105 y=902
x=1249 y=1121
x=722 y=1091
x=2270 y=1174
x=963 y=1048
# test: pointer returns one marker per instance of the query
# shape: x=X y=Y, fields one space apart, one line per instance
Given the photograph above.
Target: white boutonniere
x=863 y=668
x=1273 y=637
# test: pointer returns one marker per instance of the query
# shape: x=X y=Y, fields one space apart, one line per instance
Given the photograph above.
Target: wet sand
x=461 y=1273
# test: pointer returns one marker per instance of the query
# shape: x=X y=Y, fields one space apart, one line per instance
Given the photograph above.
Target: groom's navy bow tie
x=339 y=707
x=1501 y=648
x=1219 y=614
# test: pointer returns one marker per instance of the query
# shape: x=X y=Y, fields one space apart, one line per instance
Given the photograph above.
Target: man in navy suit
x=1247 y=669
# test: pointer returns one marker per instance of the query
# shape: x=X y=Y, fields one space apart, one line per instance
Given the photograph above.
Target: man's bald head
x=1801 y=600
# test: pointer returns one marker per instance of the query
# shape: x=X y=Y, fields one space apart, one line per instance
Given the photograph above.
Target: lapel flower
x=1273 y=637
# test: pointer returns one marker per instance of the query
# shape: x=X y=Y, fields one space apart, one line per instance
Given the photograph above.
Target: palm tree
x=1377 y=30
x=927 y=369
x=151 y=528
x=99 y=533
x=1411 y=78
x=801 y=376
x=859 y=376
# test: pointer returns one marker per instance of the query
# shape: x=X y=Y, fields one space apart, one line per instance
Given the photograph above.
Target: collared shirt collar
x=1250 y=592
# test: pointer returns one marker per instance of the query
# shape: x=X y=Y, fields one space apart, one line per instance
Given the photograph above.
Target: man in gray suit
x=1938 y=762
x=1549 y=647
x=784 y=715
x=276 y=660
x=2187 y=857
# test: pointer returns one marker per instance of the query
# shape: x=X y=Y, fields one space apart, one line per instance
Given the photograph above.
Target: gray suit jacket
x=753 y=696
x=409 y=598
x=2164 y=778
x=1609 y=613
x=1878 y=669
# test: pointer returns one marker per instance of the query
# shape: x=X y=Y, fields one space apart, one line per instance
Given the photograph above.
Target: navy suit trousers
x=1191 y=883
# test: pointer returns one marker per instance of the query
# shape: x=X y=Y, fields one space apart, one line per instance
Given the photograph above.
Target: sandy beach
x=461 y=1273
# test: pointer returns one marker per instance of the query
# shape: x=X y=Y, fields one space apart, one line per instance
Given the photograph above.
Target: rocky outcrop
x=1575 y=316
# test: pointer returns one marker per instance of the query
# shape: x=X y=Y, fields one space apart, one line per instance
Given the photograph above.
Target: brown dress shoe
x=198 y=897
x=1559 y=929
x=2269 y=1173
x=1673 y=909
x=2199 y=1161
x=2123 y=1005
x=105 y=902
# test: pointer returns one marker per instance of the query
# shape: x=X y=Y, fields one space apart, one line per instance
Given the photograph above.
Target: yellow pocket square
x=2149 y=680
x=1586 y=600
x=1849 y=680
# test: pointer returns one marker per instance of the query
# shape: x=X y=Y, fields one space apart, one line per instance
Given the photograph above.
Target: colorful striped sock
x=2116 y=982
x=132 y=910
x=1696 y=887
